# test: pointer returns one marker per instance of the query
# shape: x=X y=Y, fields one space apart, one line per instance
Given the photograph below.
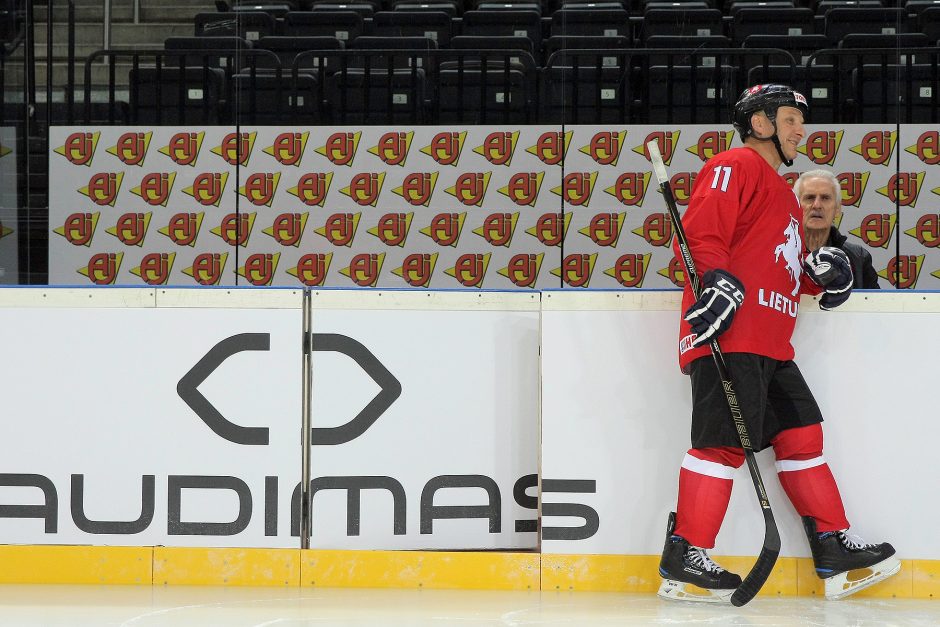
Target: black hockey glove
x=830 y=268
x=712 y=313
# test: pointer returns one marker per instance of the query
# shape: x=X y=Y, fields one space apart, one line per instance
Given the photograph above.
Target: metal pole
x=107 y=25
x=136 y=11
x=305 y=422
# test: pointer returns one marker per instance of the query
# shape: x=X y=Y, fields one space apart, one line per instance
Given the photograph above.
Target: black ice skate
x=689 y=574
x=847 y=564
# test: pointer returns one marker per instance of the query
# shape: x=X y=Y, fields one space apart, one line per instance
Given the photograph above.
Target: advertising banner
x=141 y=425
x=509 y=208
x=425 y=414
x=616 y=423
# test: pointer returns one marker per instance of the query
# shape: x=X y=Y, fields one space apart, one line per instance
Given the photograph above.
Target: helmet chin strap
x=776 y=141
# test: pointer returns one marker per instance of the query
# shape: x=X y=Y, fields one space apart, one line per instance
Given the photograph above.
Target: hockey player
x=744 y=233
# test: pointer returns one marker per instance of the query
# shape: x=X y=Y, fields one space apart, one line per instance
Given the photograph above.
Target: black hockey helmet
x=766 y=98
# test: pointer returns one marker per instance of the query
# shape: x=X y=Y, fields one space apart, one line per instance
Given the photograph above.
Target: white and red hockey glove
x=712 y=313
x=831 y=269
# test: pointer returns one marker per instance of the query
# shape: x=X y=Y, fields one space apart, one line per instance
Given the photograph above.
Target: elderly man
x=818 y=191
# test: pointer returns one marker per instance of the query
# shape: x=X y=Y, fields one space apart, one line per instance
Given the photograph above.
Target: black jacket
x=862 y=268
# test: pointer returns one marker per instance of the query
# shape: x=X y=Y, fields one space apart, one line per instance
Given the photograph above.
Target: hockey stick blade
x=764 y=565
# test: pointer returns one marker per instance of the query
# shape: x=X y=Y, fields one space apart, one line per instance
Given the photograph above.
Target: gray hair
x=818 y=174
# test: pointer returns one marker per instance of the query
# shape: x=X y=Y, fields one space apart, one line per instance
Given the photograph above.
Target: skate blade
x=680 y=591
x=848 y=583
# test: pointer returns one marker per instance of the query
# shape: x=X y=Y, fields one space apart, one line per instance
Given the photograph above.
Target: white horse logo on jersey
x=790 y=249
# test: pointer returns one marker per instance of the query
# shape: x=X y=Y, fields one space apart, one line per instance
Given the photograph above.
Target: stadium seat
x=450 y=9
x=377 y=97
x=434 y=25
x=690 y=22
x=596 y=23
x=505 y=23
x=250 y=25
x=400 y=52
x=928 y=23
x=488 y=88
x=898 y=93
x=584 y=94
x=843 y=21
x=364 y=9
x=734 y=6
x=344 y=25
x=777 y=21
x=226 y=53
x=678 y=50
x=689 y=94
x=193 y=96
x=287 y=48
x=266 y=99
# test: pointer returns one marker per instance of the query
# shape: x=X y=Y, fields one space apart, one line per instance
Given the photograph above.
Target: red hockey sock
x=806 y=477
x=705 y=481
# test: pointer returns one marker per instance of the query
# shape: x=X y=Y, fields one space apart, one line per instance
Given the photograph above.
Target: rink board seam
x=488 y=570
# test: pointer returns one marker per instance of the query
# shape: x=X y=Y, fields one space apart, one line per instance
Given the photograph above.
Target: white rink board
x=468 y=369
x=92 y=391
x=616 y=410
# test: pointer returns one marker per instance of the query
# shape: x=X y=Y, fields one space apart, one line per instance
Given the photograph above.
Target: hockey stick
x=771 y=549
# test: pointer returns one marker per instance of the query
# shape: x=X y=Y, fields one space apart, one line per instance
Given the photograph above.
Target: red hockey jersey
x=744 y=218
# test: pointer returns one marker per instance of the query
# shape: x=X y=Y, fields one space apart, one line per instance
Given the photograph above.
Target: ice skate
x=846 y=563
x=690 y=575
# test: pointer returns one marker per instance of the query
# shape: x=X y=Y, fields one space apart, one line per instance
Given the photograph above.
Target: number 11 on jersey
x=726 y=169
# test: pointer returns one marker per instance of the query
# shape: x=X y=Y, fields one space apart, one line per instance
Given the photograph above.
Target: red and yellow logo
x=260 y=188
x=155 y=268
x=853 y=185
x=470 y=188
x=656 y=229
x=445 y=148
x=103 y=188
x=340 y=148
x=877 y=147
x=681 y=184
x=666 y=140
x=822 y=147
x=155 y=188
x=393 y=148
x=499 y=147
x=498 y=228
x=79 y=228
x=576 y=188
x=876 y=229
x=630 y=188
x=711 y=143
x=235 y=228
x=288 y=228
x=236 y=148
x=927 y=148
x=4 y=230
x=675 y=272
x=183 y=228
x=131 y=148
x=903 y=188
x=312 y=269
x=630 y=270
x=551 y=228
x=470 y=269
x=605 y=147
x=551 y=147
x=393 y=228
x=576 y=269
x=207 y=188
x=364 y=188
x=523 y=188
x=288 y=148
x=604 y=228
x=417 y=188
x=312 y=188
x=417 y=269
x=260 y=268
x=902 y=272
x=207 y=268
x=184 y=148
x=340 y=228
x=445 y=228
x=927 y=230
x=364 y=269
x=103 y=268
x=79 y=148
x=523 y=269
x=131 y=228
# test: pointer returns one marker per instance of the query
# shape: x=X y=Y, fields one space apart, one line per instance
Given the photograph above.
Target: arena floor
x=184 y=606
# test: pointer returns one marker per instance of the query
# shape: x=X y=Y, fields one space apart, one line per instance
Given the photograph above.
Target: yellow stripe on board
x=76 y=564
x=226 y=567
x=484 y=570
x=421 y=569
